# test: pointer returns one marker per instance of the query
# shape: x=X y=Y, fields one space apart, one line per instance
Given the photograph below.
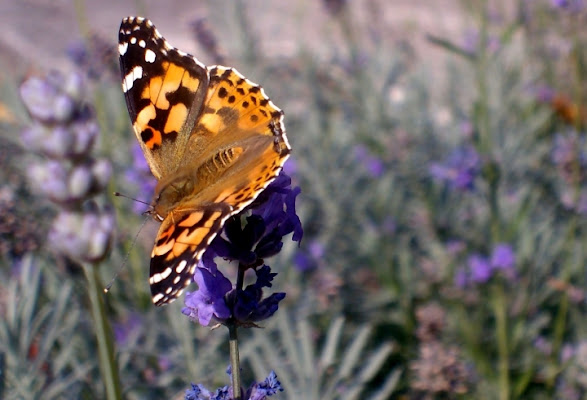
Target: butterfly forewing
x=164 y=90
x=209 y=126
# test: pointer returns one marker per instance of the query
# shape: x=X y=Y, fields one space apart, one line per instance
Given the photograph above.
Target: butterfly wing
x=251 y=148
x=180 y=244
x=164 y=90
x=239 y=116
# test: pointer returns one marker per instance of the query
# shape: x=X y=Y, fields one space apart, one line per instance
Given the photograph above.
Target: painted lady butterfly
x=212 y=138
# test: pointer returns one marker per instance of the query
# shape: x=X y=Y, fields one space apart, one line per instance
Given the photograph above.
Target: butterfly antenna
x=126 y=257
x=118 y=194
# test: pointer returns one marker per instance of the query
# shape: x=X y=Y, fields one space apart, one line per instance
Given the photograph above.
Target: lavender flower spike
x=257 y=391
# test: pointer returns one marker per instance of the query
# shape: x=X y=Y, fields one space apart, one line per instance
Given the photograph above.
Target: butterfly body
x=211 y=137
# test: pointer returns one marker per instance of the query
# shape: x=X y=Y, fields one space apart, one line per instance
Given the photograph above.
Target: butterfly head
x=170 y=193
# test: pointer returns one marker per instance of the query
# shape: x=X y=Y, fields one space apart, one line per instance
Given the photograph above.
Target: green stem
x=233 y=340
x=500 y=310
x=108 y=367
x=234 y=361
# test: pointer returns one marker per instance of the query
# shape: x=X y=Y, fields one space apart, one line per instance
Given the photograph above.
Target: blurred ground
x=36 y=32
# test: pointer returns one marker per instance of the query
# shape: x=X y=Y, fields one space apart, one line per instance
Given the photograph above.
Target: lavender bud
x=85 y=135
x=50 y=177
x=101 y=171
x=57 y=143
x=79 y=182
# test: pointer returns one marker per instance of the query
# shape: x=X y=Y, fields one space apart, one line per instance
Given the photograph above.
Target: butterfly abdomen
x=221 y=161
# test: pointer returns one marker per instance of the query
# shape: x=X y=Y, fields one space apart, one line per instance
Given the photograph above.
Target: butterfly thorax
x=175 y=190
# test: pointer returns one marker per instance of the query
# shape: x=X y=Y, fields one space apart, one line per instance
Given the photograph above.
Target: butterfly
x=211 y=137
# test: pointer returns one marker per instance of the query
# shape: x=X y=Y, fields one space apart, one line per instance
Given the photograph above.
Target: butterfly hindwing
x=239 y=112
x=181 y=242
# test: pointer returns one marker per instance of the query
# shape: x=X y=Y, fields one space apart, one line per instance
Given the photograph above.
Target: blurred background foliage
x=443 y=201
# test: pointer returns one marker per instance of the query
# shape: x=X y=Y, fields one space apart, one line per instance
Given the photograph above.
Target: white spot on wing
x=136 y=73
x=122 y=48
x=150 y=56
x=181 y=266
x=142 y=43
x=133 y=40
x=165 y=274
x=157 y=298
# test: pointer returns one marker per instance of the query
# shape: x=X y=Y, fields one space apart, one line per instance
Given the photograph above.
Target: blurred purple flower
x=96 y=57
x=310 y=258
x=125 y=329
x=63 y=130
x=480 y=269
x=460 y=169
x=206 y=38
x=83 y=235
x=568 y=5
x=372 y=164
x=543 y=345
x=291 y=166
x=47 y=99
x=503 y=257
x=140 y=176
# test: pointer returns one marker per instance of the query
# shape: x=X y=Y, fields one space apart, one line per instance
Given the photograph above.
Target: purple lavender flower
x=216 y=298
x=197 y=392
x=140 y=176
x=568 y=5
x=257 y=391
x=309 y=260
x=268 y=387
x=64 y=131
x=459 y=170
x=272 y=218
x=249 y=306
x=372 y=164
x=85 y=235
x=209 y=300
x=481 y=269
x=503 y=257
